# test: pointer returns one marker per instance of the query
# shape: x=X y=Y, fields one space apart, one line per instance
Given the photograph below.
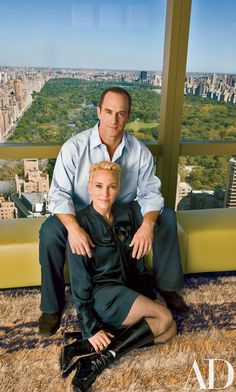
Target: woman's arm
x=139 y=278
x=81 y=288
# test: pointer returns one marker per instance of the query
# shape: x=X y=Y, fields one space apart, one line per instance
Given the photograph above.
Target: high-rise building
x=8 y=209
x=18 y=85
x=1 y=127
x=31 y=205
x=183 y=189
x=143 y=76
x=157 y=80
x=230 y=193
x=33 y=180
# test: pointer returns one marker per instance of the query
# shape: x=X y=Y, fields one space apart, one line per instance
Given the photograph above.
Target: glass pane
x=61 y=60
x=206 y=182
x=210 y=85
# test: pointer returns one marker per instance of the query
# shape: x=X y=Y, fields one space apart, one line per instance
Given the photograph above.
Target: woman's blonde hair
x=105 y=165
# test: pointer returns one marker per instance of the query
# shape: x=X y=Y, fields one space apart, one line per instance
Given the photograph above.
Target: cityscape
x=18 y=86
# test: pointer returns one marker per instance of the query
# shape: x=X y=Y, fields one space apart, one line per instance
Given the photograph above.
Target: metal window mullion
x=174 y=70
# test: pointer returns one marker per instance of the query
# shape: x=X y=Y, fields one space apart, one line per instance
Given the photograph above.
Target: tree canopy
x=65 y=107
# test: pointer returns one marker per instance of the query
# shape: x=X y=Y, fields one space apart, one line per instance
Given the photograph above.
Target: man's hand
x=79 y=240
x=143 y=238
x=100 y=340
x=142 y=241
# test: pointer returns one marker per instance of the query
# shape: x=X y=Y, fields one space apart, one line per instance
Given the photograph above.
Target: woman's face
x=104 y=189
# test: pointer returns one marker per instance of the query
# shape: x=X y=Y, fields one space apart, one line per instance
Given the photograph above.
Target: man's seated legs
x=167 y=269
x=52 y=247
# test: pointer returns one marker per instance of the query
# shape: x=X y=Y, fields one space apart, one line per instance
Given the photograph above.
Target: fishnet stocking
x=157 y=316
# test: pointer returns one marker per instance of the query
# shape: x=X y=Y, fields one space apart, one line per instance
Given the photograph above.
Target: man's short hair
x=117 y=90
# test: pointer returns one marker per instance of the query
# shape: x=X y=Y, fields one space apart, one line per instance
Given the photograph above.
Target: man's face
x=113 y=116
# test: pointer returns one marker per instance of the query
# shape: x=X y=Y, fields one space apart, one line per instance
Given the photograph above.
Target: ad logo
x=210 y=383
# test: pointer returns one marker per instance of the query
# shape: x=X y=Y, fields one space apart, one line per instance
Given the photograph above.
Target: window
x=209 y=112
x=204 y=182
x=69 y=52
x=62 y=56
x=210 y=85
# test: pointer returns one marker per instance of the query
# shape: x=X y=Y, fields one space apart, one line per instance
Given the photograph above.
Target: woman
x=104 y=286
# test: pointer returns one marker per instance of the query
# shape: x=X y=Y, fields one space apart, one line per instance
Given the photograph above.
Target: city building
x=8 y=209
x=31 y=205
x=33 y=180
x=217 y=87
x=16 y=95
x=189 y=199
x=183 y=189
x=31 y=199
x=230 y=193
x=199 y=200
x=2 y=127
x=143 y=77
x=157 y=80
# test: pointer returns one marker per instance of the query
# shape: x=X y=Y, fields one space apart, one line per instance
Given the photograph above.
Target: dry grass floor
x=30 y=364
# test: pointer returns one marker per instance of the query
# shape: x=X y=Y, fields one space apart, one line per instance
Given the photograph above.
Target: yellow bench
x=207 y=243
x=19 y=265
x=211 y=239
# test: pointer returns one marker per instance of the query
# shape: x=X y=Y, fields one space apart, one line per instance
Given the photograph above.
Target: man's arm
x=62 y=185
x=80 y=242
x=149 y=195
x=143 y=238
x=151 y=202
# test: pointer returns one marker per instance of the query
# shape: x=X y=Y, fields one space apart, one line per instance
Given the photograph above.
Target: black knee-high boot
x=135 y=336
x=70 y=355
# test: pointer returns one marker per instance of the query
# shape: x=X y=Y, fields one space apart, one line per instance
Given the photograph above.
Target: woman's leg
x=156 y=315
x=135 y=336
x=148 y=322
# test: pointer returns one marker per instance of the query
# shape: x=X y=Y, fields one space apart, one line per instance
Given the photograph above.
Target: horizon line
x=110 y=69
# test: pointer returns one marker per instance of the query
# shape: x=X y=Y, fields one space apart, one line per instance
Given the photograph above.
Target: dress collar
x=95 y=212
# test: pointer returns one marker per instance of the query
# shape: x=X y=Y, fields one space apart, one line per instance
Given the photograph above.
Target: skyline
x=105 y=35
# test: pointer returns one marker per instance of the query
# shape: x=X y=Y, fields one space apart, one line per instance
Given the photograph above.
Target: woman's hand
x=100 y=340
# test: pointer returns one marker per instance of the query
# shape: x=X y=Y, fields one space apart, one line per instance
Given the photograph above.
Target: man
x=68 y=194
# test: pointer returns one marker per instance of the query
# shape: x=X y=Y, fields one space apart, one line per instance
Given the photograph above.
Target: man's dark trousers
x=167 y=268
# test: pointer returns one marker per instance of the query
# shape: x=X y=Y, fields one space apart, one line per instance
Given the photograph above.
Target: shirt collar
x=95 y=139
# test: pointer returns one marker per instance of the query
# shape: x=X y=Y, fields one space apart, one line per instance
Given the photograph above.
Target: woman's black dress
x=105 y=286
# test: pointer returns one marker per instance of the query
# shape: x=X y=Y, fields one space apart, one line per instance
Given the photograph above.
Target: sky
x=107 y=34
